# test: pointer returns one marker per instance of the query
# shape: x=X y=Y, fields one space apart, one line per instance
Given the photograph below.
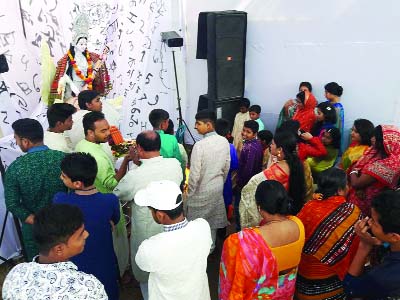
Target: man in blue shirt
x=382 y=281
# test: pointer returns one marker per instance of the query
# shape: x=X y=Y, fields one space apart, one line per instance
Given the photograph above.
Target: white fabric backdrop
x=140 y=66
x=355 y=43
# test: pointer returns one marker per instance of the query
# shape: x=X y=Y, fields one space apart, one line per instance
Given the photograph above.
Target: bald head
x=149 y=140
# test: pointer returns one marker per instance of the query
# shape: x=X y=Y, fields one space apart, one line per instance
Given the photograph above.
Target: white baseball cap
x=161 y=195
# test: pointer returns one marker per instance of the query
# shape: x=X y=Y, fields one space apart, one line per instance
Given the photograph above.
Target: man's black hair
x=251 y=124
x=28 y=128
x=222 y=127
x=54 y=224
x=206 y=116
x=266 y=136
x=149 y=140
x=244 y=103
x=90 y=118
x=86 y=97
x=157 y=116
x=80 y=167
x=387 y=205
x=255 y=108
x=59 y=112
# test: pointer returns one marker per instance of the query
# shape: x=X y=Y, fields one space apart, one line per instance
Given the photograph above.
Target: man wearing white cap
x=177 y=257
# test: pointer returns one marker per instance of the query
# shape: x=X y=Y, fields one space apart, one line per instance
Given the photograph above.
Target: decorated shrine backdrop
x=139 y=64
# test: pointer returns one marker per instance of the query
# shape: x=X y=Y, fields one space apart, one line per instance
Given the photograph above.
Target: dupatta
x=386 y=170
x=306 y=115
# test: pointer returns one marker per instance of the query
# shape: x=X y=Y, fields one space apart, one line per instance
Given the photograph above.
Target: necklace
x=89 y=79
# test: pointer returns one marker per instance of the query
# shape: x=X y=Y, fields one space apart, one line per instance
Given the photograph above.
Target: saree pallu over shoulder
x=330 y=246
x=352 y=155
x=306 y=116
x=386 y=171
x=249 y=215
x=249 y=270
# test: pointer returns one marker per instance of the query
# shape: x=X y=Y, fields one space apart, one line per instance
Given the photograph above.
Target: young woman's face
x=328 y=95
x=320 y=116
x=304 y=89
x=326 y=138
x=273 y=148
x=355 y=136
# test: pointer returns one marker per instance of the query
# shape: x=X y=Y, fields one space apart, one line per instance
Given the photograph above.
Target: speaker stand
x=182 y=123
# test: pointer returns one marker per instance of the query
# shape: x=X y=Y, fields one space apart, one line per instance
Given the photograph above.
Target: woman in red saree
x=331 y=242
x=261 y=262
x=378 y=169
x=288 y=170
x=305 y=111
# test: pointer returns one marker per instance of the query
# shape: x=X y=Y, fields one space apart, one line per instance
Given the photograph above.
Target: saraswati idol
x=80 y=69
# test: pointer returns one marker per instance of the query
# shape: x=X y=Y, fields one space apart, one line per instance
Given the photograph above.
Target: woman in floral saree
x=378 y=169
x=261 y=262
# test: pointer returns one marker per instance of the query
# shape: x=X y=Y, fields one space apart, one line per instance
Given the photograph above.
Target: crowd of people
x=313 y=220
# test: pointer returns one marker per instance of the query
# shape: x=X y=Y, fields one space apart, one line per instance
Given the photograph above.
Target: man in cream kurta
x=209 y=167
x=151 y=167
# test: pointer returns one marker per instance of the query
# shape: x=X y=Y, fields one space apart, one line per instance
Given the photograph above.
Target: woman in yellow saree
x=261 y=262
x=361 y=134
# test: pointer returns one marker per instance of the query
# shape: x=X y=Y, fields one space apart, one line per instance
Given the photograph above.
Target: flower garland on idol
x=89 y=79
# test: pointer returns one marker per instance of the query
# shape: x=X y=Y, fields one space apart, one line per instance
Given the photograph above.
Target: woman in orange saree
x=261 y=262
x=331 y=242
x=288 y=170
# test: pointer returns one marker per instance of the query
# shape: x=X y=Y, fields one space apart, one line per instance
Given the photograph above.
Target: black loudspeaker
x=226 y=52
x=226 y=108
x=3 y=64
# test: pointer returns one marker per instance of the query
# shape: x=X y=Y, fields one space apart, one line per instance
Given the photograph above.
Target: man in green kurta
x=159 y=119
x=97 y=131
x=32 y=179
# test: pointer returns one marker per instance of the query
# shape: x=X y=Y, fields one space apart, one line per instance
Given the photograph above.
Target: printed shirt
x=51 y=281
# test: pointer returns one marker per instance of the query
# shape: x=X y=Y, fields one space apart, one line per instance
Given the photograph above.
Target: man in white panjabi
x=149 y=166
x=177 y=257
x=59 y=116
x=209 y=167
